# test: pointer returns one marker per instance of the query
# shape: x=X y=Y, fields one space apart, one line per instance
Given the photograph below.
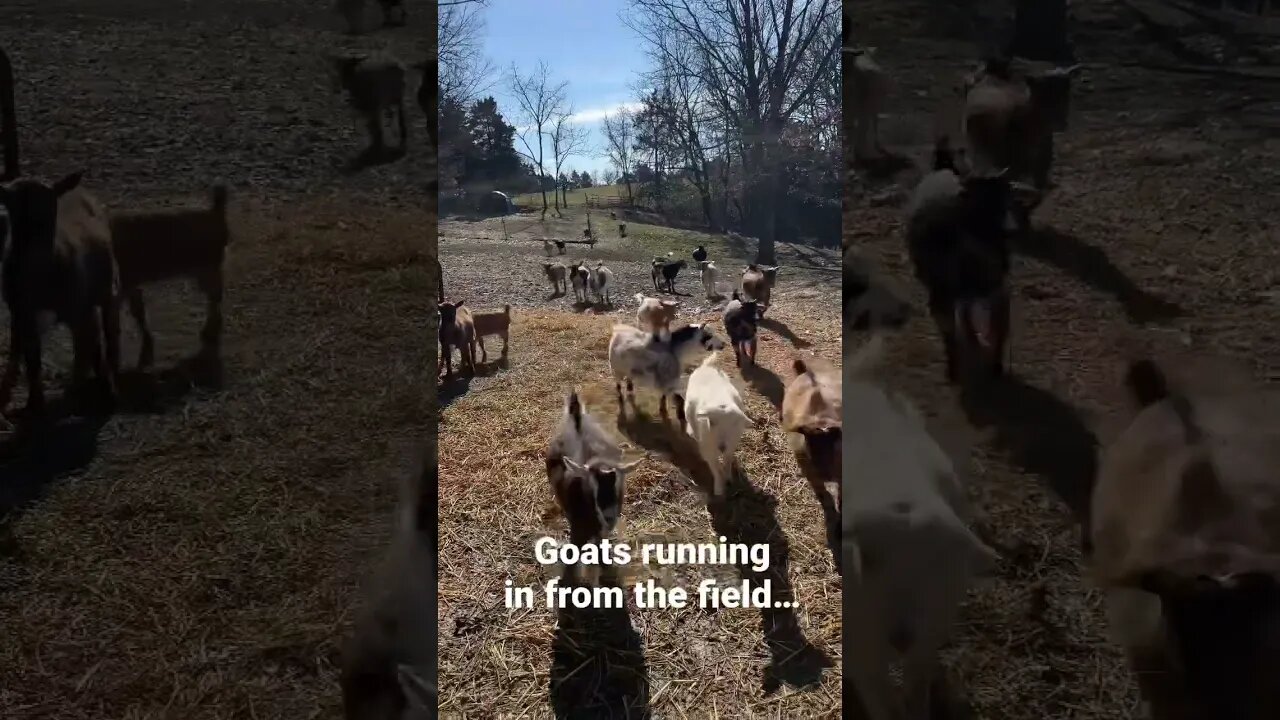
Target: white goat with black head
x=657 y=361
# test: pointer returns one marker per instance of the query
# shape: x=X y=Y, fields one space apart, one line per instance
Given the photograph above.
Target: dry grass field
x=496 y=500
x=198 y=553
x=1160 y=233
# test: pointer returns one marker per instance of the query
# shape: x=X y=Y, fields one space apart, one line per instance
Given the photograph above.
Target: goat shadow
x=1090 y=264
x=750 y=517
x=766 y=382
x=785 y=332
x=146 y=392
x=598 y=668
x=30 y=462
x=1041 y=434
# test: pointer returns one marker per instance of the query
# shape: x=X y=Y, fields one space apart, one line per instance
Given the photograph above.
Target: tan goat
x=813 y=420
x=655 y=315
x=457 y=329
x=492 y=323
x=59 y=268
x=758 y=282
x=1186 y=542
x=158 y=245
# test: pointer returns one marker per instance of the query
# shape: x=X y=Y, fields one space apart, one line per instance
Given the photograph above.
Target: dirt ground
x=496 y=502
x=1160 y=233
x=198 y=554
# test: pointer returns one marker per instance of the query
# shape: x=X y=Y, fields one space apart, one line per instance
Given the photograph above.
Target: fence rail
x=605 y=201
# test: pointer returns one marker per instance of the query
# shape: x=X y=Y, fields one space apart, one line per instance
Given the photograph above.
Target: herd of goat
x=1182 y=534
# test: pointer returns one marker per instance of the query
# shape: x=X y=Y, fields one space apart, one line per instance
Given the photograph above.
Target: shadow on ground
x=598 y=668
x=1090 y=265
x=1042 y=434
x=745 y=515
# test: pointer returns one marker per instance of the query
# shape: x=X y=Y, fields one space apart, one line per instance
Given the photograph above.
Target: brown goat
x=375 y=86
x=59 y=267
x=758 y=282
x=812 y=419
x=491 y=323
x=389 y=663
x=457 y=329
x=1187 y=547
x=158 y=245
x=8 y=122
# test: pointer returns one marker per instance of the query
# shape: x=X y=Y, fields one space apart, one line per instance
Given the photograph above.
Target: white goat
x=655 y=315
x=913 y=557
x=716 y=419
x=657 y=361
x=707 y=273
x=601 y=280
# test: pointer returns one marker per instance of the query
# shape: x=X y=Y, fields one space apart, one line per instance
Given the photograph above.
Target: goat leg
x=10 y=370
x=679 y=408
x=662 y=405
x=109 y=369
x=138 y=310
x=33 y=360
x=404 y=130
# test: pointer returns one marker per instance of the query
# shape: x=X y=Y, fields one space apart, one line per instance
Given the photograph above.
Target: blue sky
x=584 y=43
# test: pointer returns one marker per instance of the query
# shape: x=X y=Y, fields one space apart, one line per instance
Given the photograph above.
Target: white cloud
x=597 y=114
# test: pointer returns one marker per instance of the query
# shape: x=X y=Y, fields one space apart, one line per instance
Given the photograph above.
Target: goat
x=1009 y=118
x=656 y=268
x=457 y=329
x=657 y=361
x=587 y=474
x=700 y=254
x=758 y=282
x=1185 y=545
x=353 y=12
x=548 y=247
x=389 y=661
x=716 y=419
x=915 y=557
x=868 y=301
x=428 y=98
x=957 y=238
x=375 y=86
x=707 y=274
x=153 y=246
x=741 y=323
x=655 y=315
x=59 y=268
x=668 y=271
x=556 y=274
x=868 y=93
x=581 y=278
x=491 y=323
x=8 y=122
x=601 y=280
x=812 y=418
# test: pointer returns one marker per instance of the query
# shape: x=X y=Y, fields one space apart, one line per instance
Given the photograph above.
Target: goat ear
x=628 y=467
x=68 y=183
x=418 y=691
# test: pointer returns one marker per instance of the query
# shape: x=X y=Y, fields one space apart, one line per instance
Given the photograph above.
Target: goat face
x=602 y=483
x=699 y=333
x=32 y=207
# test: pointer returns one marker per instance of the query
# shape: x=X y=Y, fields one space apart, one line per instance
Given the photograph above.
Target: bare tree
x=541 y=102
x=464 y=72
x=760 y=61
x=619 y=133
x=608 y=176
x=567 y=139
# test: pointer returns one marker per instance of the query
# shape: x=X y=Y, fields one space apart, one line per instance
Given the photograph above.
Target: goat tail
x=506 y=310
x=573 y=406
x=219 y=200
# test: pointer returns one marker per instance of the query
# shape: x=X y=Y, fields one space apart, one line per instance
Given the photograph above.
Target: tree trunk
x=8 y=120
x=1040 y=31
